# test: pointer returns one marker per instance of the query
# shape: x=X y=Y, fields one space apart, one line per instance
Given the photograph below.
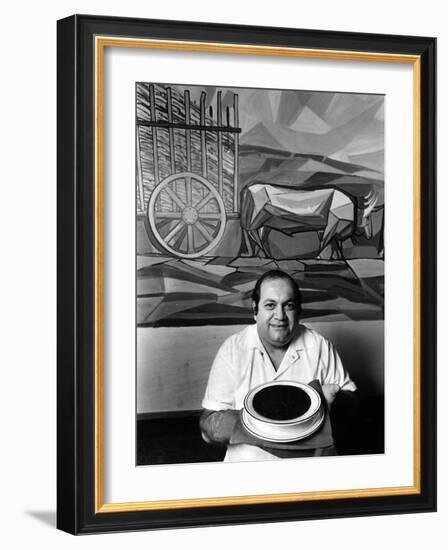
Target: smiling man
x=276 y=347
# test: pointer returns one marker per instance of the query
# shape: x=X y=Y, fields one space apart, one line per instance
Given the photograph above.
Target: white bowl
x=283 y=411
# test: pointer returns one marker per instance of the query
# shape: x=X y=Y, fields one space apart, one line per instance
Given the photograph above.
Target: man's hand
x=330 y=392
x=217 y=426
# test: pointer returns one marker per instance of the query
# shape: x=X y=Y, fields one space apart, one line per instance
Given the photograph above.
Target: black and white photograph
x=260 y=253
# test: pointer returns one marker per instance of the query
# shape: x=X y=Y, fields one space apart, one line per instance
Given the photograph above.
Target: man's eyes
x=290 y=306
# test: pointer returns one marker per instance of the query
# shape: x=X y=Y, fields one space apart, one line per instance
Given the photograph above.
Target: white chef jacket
x=242 y=363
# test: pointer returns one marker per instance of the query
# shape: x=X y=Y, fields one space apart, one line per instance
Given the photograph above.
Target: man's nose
x=279 y=312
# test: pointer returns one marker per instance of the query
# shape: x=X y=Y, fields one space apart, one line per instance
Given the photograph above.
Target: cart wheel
x=186 y=215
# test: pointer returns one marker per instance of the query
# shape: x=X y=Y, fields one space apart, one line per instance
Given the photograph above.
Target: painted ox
x=329 y=212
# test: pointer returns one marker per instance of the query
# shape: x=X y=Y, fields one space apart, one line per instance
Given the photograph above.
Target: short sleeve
x=220 y=391
x=333 y=369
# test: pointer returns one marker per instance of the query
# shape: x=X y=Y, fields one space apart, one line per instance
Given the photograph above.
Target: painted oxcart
x=197 y=201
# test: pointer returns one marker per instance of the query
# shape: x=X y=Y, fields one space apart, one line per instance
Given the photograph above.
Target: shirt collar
x=296 y=343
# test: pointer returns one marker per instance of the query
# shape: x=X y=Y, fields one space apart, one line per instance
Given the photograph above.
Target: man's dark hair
x=271 y=276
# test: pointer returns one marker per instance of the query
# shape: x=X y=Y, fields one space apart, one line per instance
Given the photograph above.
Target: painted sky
x=342 y=126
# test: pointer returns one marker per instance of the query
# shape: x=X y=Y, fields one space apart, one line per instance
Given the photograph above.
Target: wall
x=172 y=378
x=28 y=244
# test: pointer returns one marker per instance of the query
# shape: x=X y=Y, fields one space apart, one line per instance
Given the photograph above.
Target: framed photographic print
x=246 y=274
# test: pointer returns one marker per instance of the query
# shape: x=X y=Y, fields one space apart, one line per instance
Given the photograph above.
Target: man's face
x=277 y=316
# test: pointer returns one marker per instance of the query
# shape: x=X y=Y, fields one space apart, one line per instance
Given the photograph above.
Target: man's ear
x=254 y=309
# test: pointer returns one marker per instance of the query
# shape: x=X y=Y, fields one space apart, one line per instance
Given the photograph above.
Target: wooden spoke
x=189 y=190
x=190 y=239
x=204 y=201
x=160 y=224
x=168 y=215
x=204 y=231
x=209 y=215
x=175 y=198
x=210 y=224
x=169 y=237
x=179 y=239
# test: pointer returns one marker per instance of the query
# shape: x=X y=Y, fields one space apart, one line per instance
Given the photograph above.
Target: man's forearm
x=217 y=426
